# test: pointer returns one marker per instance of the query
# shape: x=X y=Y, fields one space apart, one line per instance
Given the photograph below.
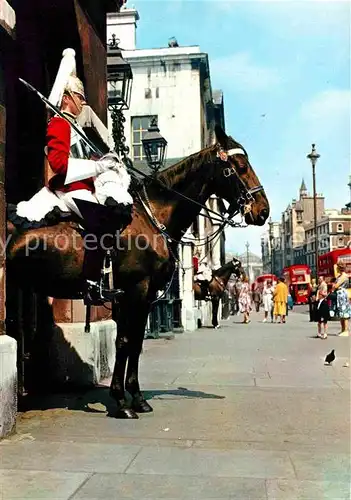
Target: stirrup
x=96 y=295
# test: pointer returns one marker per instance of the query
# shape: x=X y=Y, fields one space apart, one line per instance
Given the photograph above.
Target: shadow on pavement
x=179 y=393
x=98 y=400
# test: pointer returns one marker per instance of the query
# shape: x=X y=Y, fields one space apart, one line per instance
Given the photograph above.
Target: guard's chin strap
x=75 y=100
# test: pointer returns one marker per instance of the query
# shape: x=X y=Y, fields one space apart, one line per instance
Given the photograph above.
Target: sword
x=91 y=145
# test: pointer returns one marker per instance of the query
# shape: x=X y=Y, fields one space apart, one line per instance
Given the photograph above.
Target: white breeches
x=80 y=194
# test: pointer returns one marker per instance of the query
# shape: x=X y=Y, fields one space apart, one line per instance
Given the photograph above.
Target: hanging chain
x=118 y=120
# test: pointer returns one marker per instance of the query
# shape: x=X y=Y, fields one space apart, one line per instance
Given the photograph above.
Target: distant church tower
x=348 y=205
x=303 y=189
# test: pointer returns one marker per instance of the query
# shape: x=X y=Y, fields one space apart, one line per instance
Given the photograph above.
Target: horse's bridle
x=246 y=198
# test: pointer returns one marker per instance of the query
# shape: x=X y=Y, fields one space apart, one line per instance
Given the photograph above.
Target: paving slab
x=68 y=457
x=134 y=486
x=218 y=463
x=282 y=489
x=39 y=485
x=321 y=466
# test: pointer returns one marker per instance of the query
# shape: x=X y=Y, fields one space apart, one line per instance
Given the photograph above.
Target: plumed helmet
x=75 y=85
x=66 y=78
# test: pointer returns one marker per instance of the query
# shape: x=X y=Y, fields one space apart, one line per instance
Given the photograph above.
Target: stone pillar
x=189 y=311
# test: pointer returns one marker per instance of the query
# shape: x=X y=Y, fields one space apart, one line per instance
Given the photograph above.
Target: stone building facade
x=8 y=345
x=333 y=232
x=296 y=242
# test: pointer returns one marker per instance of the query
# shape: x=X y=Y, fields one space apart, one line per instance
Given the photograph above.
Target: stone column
x=189 y=317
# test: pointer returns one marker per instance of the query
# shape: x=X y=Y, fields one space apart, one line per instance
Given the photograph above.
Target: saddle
x=97 y=218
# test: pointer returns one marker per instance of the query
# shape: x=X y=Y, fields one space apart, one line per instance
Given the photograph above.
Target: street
x=243 y=412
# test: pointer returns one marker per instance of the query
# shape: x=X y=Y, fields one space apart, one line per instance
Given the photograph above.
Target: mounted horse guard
x=203 y=278
x=217 y=286
x=94 y=192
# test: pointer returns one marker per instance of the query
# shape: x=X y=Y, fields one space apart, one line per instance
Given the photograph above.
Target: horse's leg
x=215 y=306
x=132 y=379
x=117 y=383
x=137 y=310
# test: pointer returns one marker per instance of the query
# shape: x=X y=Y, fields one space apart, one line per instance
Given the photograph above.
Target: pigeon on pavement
x=330 y=357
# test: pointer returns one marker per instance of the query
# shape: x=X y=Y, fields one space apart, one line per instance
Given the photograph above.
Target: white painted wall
x=8 y=384
x=178 y=106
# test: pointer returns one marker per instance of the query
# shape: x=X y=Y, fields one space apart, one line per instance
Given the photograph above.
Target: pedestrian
x=267 y=296
x=322 y=289
x=245 y=300
x=343 y=303
x=256 y=297
x=322 y=314
x=312 y=299
x=280 y=298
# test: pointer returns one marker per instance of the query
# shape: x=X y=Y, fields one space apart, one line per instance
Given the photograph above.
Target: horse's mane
x=226 y=266
x=177 y=172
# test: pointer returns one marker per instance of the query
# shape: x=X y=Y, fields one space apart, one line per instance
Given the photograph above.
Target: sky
x=284 y=68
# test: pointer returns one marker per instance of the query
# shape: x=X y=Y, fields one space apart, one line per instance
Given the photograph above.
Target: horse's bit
x=246 y=198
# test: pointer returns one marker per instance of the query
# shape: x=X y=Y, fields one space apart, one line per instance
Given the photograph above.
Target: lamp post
x=313 y=157
x=247 y=259
x=119 y=86
x=155 y=146
x=271 y=243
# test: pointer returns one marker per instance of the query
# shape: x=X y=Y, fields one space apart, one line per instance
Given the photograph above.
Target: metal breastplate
x=79 y=148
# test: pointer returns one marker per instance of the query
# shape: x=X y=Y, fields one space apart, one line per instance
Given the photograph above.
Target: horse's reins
x=244 y=201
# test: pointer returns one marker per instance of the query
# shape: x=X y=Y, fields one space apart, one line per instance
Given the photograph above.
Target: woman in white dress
x=267 y=296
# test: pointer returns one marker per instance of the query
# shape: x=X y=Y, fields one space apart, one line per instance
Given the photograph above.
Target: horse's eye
x=241 y=166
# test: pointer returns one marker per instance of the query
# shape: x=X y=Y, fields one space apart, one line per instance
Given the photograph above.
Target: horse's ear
x=221 y=136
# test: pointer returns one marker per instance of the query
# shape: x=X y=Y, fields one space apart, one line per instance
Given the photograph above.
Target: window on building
x=340 y=242
x=140 y=125
x=340 y=228
x=148 y=93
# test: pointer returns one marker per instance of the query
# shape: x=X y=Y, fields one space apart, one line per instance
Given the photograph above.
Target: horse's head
x=238 y=269
x=236 y=182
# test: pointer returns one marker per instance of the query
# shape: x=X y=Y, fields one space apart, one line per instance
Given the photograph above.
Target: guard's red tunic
x=58 y=139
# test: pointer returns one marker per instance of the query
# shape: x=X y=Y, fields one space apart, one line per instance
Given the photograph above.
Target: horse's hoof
x=142 y=406
x=126 y=413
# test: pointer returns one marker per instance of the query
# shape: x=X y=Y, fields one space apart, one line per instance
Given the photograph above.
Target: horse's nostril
x=264 y=213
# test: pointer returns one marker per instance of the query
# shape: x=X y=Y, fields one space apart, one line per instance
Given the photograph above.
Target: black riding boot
x=95 y=291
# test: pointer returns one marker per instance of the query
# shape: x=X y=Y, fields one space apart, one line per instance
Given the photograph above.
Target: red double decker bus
x=298 y=280
x=327 y=264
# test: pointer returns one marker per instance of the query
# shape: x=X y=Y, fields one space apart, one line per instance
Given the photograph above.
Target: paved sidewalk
x=243 y=412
